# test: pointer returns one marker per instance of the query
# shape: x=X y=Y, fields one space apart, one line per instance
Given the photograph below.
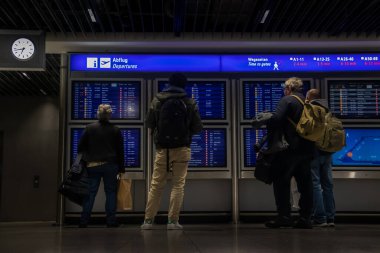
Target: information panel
x=354 y=99
x=132 y=145
x=362 y=149
x=209 y=95
x=250 y=138
x=209 y=149
x=263 y=95
x=123 y=96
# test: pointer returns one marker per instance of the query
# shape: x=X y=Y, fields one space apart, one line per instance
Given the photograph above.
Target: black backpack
x=173 y=123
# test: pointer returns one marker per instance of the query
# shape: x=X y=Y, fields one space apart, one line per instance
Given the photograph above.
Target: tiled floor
x=250 y=238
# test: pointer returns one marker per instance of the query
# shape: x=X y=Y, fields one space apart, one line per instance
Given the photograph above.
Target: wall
x=30 y=148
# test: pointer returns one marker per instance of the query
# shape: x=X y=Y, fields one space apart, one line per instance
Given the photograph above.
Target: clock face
x=23 y=49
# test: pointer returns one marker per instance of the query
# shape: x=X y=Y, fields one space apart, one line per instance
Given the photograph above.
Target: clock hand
x=18 y=49
x=22 y=50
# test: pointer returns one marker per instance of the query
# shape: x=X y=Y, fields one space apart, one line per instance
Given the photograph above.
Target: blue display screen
x=354 y=99
x=250 y=138
x=144 y=63
x=259 y=96
x=300 y=63
x=132 y=144
x=209 y=95
x=209 y=148
x=123 y=96
x=362 y=148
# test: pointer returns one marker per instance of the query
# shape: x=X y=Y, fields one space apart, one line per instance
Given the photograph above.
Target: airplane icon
x=105 y=63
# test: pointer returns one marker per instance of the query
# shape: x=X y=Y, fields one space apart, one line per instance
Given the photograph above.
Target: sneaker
x=331 y=224
x=303 y=224
x=148 y=224
x=320 y=224
x=279 y=222
x=174 y=225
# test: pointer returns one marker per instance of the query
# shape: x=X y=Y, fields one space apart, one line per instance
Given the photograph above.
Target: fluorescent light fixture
x=92 y=16
x=264 y=16
x=43 y=92
x=26 y=75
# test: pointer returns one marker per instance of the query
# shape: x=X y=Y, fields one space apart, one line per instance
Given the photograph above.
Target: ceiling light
x=43 y=92
x=93 y=19
x=264 y=16
x=26 y=75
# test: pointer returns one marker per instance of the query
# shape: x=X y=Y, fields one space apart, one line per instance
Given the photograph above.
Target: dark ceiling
x=228 y=18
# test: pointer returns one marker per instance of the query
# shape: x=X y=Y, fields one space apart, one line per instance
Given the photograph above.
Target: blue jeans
x=324 y=203
x=108 y=172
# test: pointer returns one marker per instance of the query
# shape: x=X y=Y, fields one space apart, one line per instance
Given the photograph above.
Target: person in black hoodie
x=103 y=151
x=172 y=146
x=321 y=171
x=293 y=162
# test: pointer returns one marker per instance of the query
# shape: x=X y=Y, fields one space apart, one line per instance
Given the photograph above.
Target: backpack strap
x=303 y=103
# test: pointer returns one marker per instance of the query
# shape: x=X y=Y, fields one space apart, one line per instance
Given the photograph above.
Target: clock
x=23 y=49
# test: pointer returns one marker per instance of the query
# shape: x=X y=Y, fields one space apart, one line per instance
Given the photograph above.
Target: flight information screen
x=123 y=96
x=354 y=99
x=209 y=95
x=209 y=148
x=131 y=137
x=362 y=148
x=250 y=138
x=259 y=96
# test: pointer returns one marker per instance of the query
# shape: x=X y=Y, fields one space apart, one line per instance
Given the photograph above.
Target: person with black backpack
x=173 y=119
x=321 y=171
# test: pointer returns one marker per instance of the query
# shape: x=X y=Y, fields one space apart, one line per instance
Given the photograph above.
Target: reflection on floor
x=43 y=237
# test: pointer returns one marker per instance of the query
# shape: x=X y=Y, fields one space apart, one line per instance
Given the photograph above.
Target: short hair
x=295 y=84
x=178 y=80
x=104 y=112
x=313 y=94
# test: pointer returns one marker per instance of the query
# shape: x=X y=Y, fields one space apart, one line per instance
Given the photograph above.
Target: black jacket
x=102 y=141
x=195 y=123
x=290 y=107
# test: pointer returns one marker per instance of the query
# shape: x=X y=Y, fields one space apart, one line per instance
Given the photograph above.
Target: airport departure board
x=354 y=99
x=259 y=96
x=209 y=148
x=123 y=96
x=250 y=138
x=362 y=149
x=132 y=145
x=209 y=95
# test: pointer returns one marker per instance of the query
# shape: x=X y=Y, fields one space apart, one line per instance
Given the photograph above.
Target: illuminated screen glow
x=123 y=96
x=362 y=148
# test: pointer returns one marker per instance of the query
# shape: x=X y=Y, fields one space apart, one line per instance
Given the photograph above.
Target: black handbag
x=76 y=186
x=264 y=167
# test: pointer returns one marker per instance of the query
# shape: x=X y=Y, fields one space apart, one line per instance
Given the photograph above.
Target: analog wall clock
x=23 y=49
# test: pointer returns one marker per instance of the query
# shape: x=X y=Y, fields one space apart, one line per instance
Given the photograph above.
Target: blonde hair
x=295 y=84
x=104 y=112
x=313 y=94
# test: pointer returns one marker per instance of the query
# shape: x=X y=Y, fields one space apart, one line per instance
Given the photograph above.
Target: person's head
x=178 y=80
x=293 y=84
x=313 y=94
x=104 y=112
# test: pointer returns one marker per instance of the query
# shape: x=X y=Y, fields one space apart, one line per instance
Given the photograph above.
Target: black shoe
x=82 y=225
x=280 y=222
x=113 y=225
x=303 y=223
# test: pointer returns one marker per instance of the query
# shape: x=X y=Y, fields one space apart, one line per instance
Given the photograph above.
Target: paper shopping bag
x=124 y=195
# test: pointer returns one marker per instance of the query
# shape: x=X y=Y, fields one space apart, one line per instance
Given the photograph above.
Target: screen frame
x=127 y=170
x=351 y=167
x=227 y=97
x=92 y=79
x=326 y=94
x=241 y=91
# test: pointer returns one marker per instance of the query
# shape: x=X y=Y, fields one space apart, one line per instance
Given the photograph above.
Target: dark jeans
x=109 y=173
x=290 y=165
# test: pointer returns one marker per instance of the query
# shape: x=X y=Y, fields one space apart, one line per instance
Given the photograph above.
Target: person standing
x=103 y=151
x=321 y=171
x=293 y=162
x=173 y=118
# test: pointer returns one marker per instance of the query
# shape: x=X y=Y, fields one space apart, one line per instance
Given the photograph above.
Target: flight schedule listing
x=209 y=148
x=123 y=96
x=259 y=96
x=131 y=142
x=209 y=95
x=250 y=138
x=354 y=99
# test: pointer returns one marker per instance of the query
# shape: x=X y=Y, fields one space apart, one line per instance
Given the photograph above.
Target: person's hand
x=119 y=176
